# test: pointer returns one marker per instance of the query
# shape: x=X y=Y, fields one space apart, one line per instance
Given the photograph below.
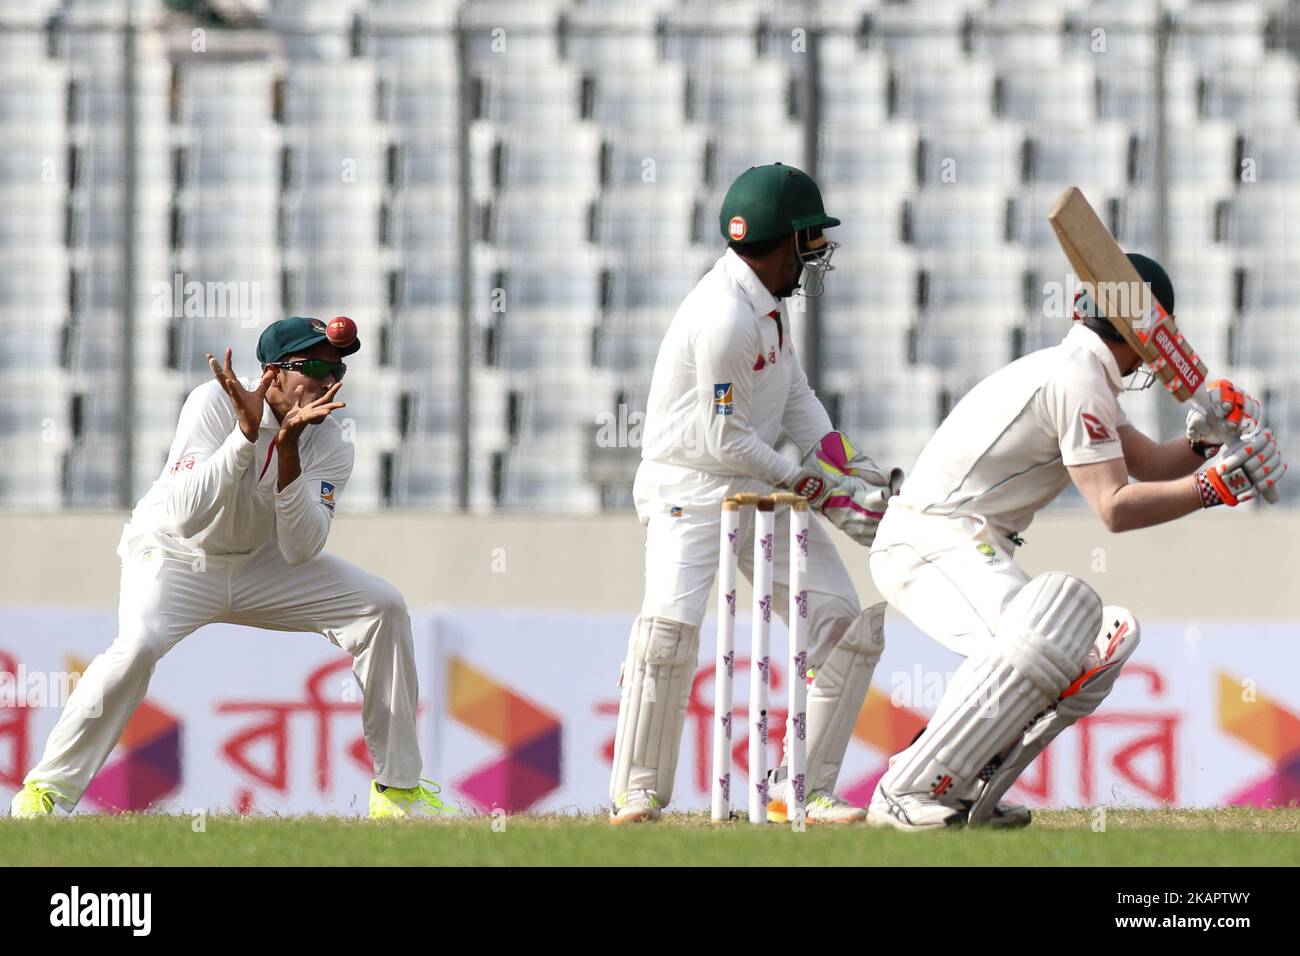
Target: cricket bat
x=1126 y=301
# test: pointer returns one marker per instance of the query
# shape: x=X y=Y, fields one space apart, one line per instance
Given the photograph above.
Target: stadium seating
x=313 y=165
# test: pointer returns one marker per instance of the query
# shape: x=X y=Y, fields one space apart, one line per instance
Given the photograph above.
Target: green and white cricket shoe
x=32 y=801
x=821 y=806
x=411 y=803
x=636 y=806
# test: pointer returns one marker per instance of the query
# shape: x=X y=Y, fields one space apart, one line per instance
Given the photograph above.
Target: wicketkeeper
x=233 y=531
x=726 y=384
x=1042 y=652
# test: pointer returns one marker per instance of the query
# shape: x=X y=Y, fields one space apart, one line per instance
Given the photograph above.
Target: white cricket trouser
x=164 y=598
x=952 y=577
x=681 y=561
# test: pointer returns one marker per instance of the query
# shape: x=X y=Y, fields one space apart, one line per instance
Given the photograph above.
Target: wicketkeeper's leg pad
x=662 y=656
x=1116 y=642
x=1039 y=647
x=835 y=697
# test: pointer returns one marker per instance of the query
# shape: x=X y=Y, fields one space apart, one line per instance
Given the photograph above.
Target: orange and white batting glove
x=1252 y=466
x=1233 y=413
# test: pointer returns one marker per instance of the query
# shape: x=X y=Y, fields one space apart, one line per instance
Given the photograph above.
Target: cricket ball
x=341 y=331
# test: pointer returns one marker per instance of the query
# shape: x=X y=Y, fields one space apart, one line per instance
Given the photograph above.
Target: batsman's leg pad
x=835 y=696
x=662 y=656
x=1116 y=642
x=1039 y=647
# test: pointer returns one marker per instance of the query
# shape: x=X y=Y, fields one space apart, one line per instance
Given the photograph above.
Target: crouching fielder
x=726 y=384
x=1040 y=653
x=234 y=530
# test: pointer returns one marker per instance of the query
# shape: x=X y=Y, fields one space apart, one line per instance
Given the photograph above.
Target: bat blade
x=1124 y=299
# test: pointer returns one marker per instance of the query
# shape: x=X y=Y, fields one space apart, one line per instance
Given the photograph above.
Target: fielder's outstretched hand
x=299 y=416
x=248 y=405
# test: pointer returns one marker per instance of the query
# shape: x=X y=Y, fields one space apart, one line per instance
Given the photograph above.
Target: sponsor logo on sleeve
x=185 y=464
x=723 y=400
x=327 y=495
x=1097 y=432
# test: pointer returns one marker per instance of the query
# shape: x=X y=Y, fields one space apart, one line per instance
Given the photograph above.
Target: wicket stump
x=760 y=655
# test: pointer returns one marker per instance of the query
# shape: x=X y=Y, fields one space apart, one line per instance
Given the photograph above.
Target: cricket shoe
x=418 y=802
x=1006 y=816
x=821 y=806
x=912 y=812
x=32 y=801
x=635 y=806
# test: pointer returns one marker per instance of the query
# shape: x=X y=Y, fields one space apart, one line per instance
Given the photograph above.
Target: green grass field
x=1234 y=837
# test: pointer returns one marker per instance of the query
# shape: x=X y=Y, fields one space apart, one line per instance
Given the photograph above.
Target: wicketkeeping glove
x=847 y=487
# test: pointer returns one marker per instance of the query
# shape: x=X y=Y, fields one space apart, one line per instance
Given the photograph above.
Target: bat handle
x=1201 y=399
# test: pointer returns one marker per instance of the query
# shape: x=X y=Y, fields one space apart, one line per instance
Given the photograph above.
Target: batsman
x=1040 y=653
x=727 y=383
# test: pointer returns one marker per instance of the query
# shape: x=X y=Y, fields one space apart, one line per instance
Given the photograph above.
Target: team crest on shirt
x=990 y=553
x=760 y=363
x=1097 y=432
x=327 y=495
x=723 y=399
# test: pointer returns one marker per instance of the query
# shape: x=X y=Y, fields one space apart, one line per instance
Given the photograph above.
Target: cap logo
x=317 y=325
x=737 y=228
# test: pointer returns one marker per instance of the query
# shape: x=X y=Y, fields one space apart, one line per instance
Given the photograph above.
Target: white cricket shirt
x=216 y=494
x=726 y=383
x=1001 y=454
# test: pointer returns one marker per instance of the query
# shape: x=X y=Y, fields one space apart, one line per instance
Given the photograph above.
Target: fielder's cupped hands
x=299 y=416
x=248 y=405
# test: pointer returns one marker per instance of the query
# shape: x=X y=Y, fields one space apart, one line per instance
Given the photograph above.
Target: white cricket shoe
x=636 y=806
x=912 y=812
x=821 y=806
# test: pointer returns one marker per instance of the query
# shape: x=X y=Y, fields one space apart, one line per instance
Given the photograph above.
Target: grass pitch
x=1229 y=837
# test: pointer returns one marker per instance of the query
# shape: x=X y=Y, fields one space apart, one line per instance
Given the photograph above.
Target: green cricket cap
x=767 y=202
x=295 y=334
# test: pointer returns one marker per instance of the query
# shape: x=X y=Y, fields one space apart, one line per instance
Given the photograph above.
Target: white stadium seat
x=1065 y=94
x=884 y=155
x=1262 y=93
x=1097 y=153
x=959 y=217
x=984 y=155
x=947 y=92
x=636 y=99
x=871 y=277
x=855 y=91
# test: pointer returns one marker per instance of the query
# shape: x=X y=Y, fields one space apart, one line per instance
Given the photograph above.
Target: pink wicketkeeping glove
x=848 y=488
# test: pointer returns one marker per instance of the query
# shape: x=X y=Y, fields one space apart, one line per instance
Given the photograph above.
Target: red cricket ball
x=341 y=331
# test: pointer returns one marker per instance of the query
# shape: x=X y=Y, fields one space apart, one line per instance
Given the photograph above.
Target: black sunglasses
x=315 y=368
